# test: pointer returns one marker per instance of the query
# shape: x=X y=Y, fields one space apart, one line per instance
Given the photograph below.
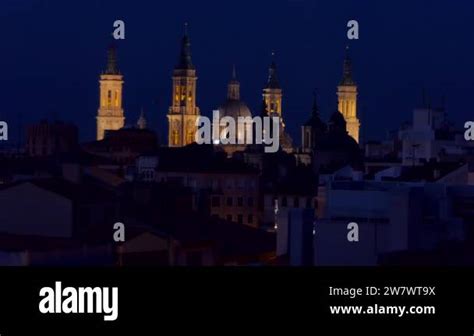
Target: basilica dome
x=235 y=109
x=233 y=106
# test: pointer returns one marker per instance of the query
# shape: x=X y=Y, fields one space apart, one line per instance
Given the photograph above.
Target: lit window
x=176 y=93
x=175 y=137
x=190 y=137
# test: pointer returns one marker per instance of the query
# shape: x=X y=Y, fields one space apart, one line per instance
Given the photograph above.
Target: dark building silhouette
x=124 y=145
x=313 y=129
x=50 y=138
x=336 y=147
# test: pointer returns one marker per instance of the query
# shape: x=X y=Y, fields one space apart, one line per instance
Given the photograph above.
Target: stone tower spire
x=183 y=112
x=272 y=93
x=347 y=98
x=110 y=114
x=233 y=88
x=141 y=122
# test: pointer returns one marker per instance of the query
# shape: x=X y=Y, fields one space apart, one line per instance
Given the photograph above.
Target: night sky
x=52 y=52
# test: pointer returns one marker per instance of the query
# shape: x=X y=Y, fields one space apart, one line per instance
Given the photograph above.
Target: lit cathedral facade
x=184 y=113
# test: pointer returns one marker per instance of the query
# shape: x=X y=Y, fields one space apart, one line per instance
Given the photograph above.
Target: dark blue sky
x=53 y=51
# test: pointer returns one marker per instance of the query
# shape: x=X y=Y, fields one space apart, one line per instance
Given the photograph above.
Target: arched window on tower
x=176 y=94
x=109 y=98
x=189 y=137
x=175 y=137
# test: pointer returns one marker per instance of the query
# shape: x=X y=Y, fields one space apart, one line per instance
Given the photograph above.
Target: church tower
x=314 y=129
x=183 y=112
x=110 y=114
x=347 y=97
x=233 y=88
x=272 y=97
x=272 y=93
x=141 y=122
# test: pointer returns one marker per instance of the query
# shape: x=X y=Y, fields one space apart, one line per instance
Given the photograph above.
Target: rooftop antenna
x=443 y=101
x=423 y=97
x=20 y=126
x=315 y=110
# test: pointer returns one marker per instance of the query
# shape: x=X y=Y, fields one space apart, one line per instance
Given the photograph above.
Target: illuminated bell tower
x=272 y=97
x=110 y=114
x=272 y=93
x=347 y=97
x=183 y=113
